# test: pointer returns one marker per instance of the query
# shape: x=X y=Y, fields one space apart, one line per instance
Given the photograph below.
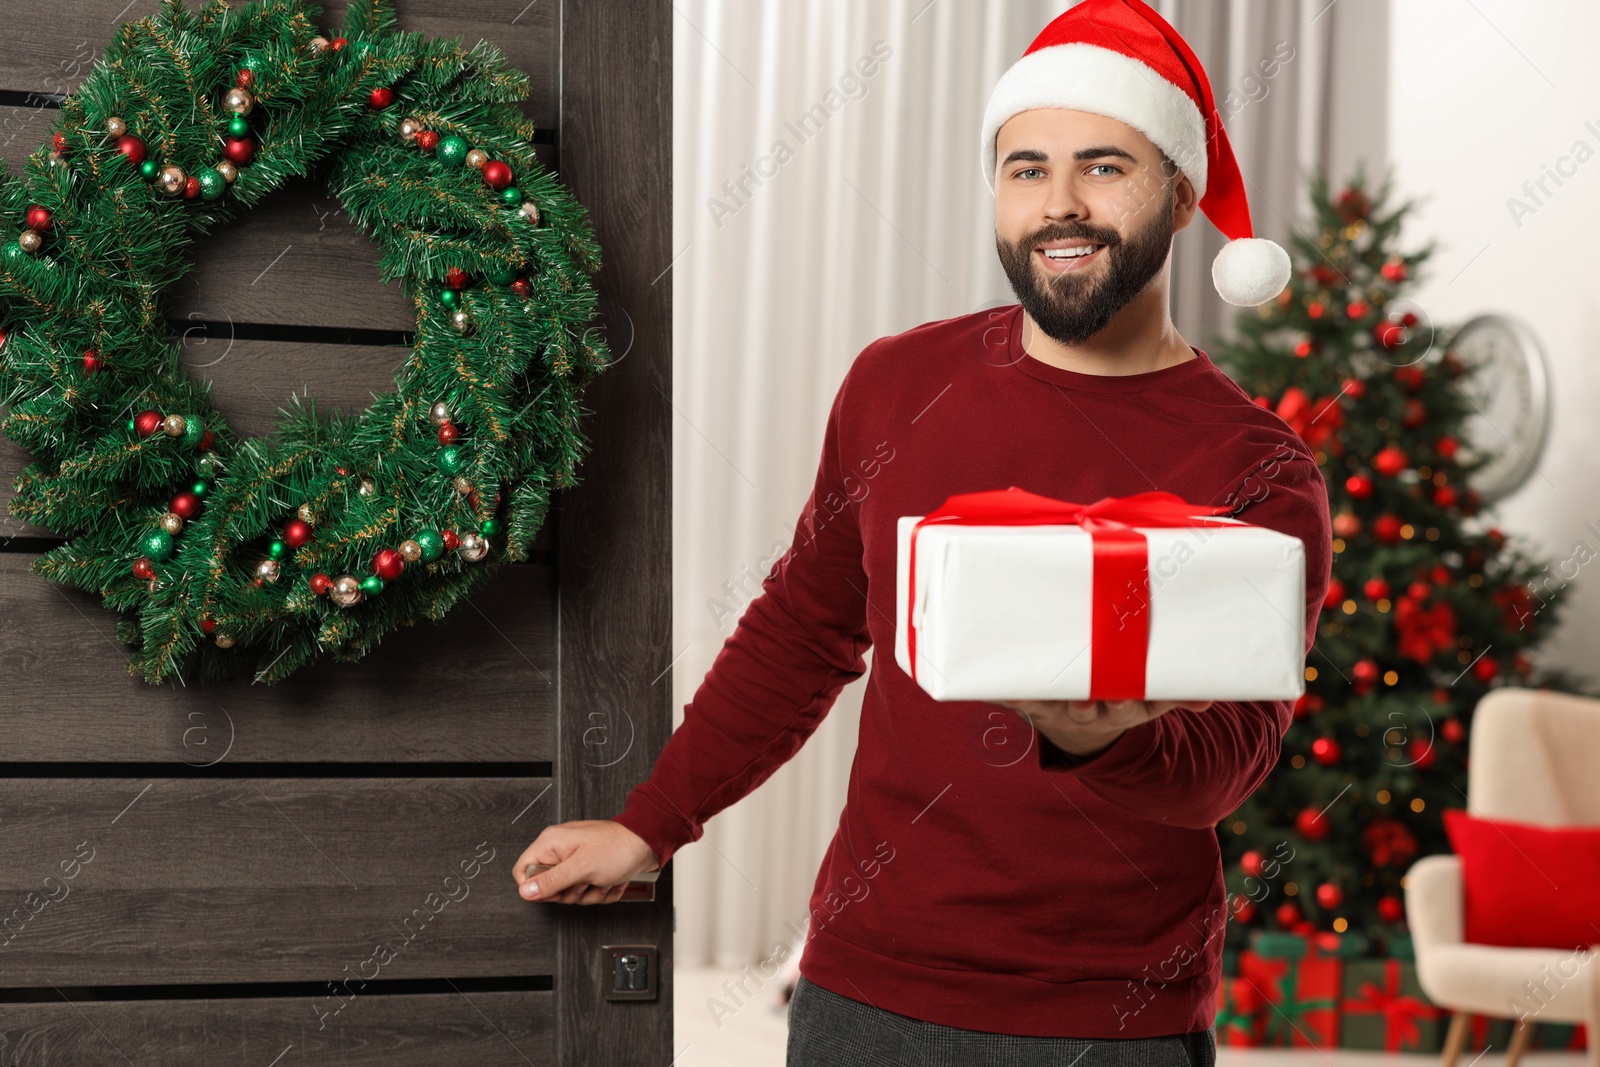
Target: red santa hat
x=1120 y=59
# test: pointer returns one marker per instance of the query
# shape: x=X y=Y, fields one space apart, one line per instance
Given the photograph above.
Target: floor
x=718 y=1028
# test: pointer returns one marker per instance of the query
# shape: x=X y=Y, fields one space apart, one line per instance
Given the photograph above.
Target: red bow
x=1121 y=588
x=1400 y=1013
x=1314 y=423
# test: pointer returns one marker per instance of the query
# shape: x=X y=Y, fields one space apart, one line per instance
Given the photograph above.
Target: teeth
x=1070 y=253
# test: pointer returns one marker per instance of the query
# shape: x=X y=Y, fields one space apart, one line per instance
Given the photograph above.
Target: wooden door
x=198 y=874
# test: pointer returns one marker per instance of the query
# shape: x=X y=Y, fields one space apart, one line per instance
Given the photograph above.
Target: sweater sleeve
x=797 y=644
x=1192 y=768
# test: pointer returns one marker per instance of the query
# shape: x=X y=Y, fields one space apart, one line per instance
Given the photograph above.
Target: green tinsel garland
x=226 y=554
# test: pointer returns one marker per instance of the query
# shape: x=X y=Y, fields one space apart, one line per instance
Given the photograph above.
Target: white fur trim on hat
x=1250 y=271
x=1084 y=77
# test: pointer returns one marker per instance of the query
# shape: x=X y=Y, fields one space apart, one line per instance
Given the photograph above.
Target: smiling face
x=1085 y=208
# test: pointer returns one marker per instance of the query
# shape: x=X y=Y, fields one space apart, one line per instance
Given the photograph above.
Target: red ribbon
x=1400 y=1013
x=1120 y=612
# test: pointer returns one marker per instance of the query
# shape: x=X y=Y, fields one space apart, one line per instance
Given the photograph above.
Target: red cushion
x=1525 y=885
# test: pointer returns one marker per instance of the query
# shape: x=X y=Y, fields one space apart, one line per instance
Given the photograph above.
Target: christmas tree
x=1429 y=605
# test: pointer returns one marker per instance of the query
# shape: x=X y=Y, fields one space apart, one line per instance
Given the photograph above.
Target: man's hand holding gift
x=1085 y=728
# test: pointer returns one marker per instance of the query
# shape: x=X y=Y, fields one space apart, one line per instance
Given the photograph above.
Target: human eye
x=1026 y=171
x=1110 y=166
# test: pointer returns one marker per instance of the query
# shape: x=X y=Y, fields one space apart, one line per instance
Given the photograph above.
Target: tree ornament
x=170 y=179
x=455 y=277
x=408 y=129
x=320 y=584
x=490 y=527
x=267 y=570
x=1486 y=669
x=1452 y=731
x=380 y=98
x=1390 y=461
x=1329 y=895
x=1365 y=670
x=439 y=412
x=307 y=514
x=450 y=298
x=1252 y=864
x=537 y=439
x=29 y=241
x=388 y=564
x=450 y=460
x=174 y=425
x=239 y=101
x=1375 y=588
x=496 y=174
x=1312 y=825
x=451 y=149
x=296 y=532
x=476 y=158
x=472 y=548
x=427 y=140
x=131 y=148
x=521 y=287
x=1358 y=486
x=511 y=196
x=223 y=640
x=530 y=211
x=371 y=585
x=1287 y=914
x=1390 y=335
x=1386 y=528
x=1335 y=595
x=1391 y=909
x=460 y=321
x=143 y=569
x=447 y=433
x=1326 y=751
x=346 y=591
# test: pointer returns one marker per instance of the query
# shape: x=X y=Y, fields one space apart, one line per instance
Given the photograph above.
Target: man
x=1044 y=884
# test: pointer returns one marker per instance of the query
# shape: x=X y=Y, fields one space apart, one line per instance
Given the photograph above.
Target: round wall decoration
x=230 y=555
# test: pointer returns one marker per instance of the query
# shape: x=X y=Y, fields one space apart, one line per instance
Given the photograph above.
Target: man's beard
x=1074 y=306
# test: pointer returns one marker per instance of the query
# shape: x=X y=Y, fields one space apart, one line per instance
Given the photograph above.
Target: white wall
x=1485 y=96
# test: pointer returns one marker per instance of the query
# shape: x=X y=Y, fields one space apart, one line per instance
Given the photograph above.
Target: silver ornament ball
x=530 y=211
x=460 y=321
x=174 y=425
x=171 y=178
x=307 y=514
x=409 y=128
x=30 y=241
x=172 y=522
x=367 y=487
x=267 y=570
x=226 y=169
x=346 y=591
x=317 y=45
x=439 y=413
x=239 y=101
x=472 y=548
x=224 y=640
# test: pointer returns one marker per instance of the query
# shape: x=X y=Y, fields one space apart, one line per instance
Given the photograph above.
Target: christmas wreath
x=260 y=554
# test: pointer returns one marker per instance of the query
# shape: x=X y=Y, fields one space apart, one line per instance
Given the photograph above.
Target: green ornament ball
x=149 y=168
x=432 y=544
x=504 y=275
x=212 y=184
x=451 y=460
x=372 y=585
x=157 y=544
x=451 y=149
x=15 y=254
x=130 y=426
x=194 y=431
x=277 y=549
x=490 y=527
x=238 y=126
x=253 y=62
x=450 y=298
x=201 y=487
x=511 y=196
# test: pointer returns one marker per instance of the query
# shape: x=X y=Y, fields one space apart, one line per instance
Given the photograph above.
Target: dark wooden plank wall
x=238 y=853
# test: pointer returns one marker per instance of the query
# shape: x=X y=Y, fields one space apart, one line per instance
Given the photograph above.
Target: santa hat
x=1120 y=59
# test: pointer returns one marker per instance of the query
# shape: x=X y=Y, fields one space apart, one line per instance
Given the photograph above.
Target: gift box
x=1306 y=1015
x=1008 y=595
x=1384 y=1007
x=1240 y=1009
x=1568 y=1036
x=1485 y=1033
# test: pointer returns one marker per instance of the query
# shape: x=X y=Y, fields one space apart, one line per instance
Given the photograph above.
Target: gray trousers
x=828 y=1030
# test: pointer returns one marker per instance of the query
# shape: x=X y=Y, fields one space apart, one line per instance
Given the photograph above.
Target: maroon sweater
x=979 y=878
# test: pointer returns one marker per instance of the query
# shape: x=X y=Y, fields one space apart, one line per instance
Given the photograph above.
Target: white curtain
x=827 y=192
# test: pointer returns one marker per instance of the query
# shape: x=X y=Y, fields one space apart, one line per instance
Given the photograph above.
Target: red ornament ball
x=1335 y=595
x=1358 y=486
x=1390 y=334
x=1243 y=911
x=1312 y=825
x=1452 y=731
x=131 y=148
x=206 y=442
x=1422 y=755
x=1326 y=751
x=38 y=218
x=59 y=141
x=521 y=287
x=1356 y=308
x=455 y=277
x=451 y=541
x=380 y=98
x=143 y=569
x=448 y=433
x=338 y=43
x=1329 y=895
x=208 y=625
x=1390 y=909
x=1418 y=590
x=1251 y=863
x=321 y=583
x=1446 y=496
x=185 y=505
x=1303 y=349
x=245 y=78
x=296 y=533
x=1408 y=320
x=147 y=422
x=1409 y=376
x=1446 y=447
x=1288 y=913
x=191 y=187
x=1354 y=388
x=1416 y=413
x=1390 y=461
x=1486 y=669
x=2 y=338
x=1346 y=524
x=496 y=174
x=427 y=140
x=1365 y=670
x=1386 y=528
x=1375 y=588
x=388 y=564
x=239 y=151
x=1393 y=271
x=91 y=361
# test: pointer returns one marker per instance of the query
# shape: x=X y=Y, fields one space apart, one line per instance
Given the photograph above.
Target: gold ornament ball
x=239 y=101
x=267 y=570
x=116 y=127
x=174 y=425
x=226 y=169
x=410 y=551
x=224 y=640
x=462 y=485
x=530 y=211
x=172 y=522
x=346 y=591
x=367 y=487
x=472 y=548
x=318 y=44
x=171 y=179
x=409 y=128
x=461 y=322
x=439 y=413
x=477 y=158
x=30 y=241
x=307 y=514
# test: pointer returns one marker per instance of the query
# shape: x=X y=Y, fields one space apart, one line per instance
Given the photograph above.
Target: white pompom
x=1250 y=271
